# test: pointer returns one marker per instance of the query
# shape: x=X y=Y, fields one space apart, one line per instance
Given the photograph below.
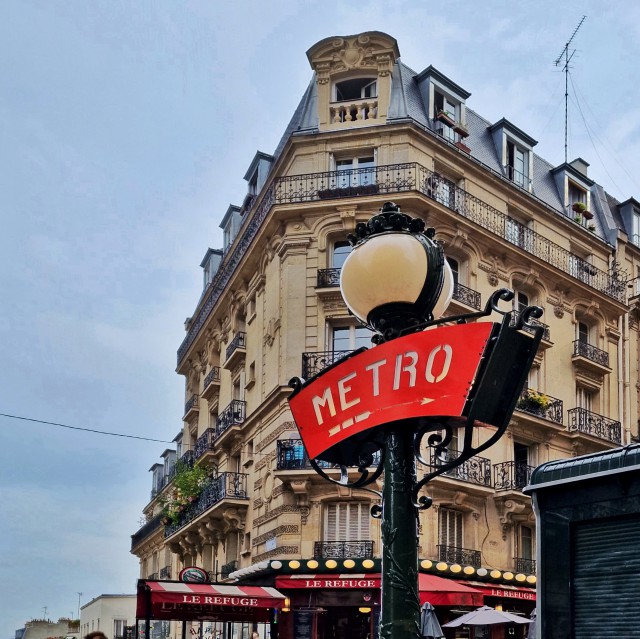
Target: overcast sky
x=125 y=130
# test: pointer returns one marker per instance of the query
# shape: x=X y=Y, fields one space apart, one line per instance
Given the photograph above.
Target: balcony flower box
x=348 y=191
x=581 y=210
x=461 y=129
x=534 y=402
x=463 y=147
x=445 y=118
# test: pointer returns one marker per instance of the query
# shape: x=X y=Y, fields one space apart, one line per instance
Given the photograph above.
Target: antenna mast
x=567 y=58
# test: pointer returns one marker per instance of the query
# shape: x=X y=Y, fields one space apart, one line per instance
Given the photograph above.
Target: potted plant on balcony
x=445 y=118
x=534 y=402
x=581 y=210
x=187 y=484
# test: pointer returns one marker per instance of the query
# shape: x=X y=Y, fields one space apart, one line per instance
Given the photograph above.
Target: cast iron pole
x=400 y=614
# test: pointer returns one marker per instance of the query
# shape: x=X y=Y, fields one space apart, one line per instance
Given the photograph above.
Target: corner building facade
x=368 y=130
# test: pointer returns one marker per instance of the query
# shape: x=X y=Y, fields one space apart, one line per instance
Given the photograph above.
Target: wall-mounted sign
x=425 y=374
x=193 y=575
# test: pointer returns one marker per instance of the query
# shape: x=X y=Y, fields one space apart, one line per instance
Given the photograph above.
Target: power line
x=88 y=430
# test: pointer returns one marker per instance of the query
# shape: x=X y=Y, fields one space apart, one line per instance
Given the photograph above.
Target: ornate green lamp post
x=413 y=383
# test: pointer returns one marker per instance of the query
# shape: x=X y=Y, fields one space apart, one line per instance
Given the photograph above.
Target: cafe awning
x=436 y=590
x=447 y=592
x=214 y=602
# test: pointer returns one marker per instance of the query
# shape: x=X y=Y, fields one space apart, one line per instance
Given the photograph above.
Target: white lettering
x=408 y=368
x=318 y=402
x=376 y=375
x=448 y=352
x=343 y=389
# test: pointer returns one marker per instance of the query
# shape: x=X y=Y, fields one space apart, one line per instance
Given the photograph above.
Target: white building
x=110 y=614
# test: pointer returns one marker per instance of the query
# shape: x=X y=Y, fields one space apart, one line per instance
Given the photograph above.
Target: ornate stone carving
x=233 y=518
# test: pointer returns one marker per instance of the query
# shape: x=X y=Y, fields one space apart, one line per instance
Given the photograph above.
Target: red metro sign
x=425 y=374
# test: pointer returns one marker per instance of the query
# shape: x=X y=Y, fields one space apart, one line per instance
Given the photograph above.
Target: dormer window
x=517 y=164
x=355 y=99
x=447 y=113
x=356 y=89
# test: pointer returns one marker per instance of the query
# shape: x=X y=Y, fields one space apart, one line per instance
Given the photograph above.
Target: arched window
x=356 y=89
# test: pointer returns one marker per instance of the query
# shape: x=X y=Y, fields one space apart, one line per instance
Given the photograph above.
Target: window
x=445 y=104
x=516 y=232
x=347 y=521
x=119 y=628
x=522 y=462
x=635 y=228
x=525 y=542
x=350 y=338
x=583 y=333
x=577 y=194
x=455 y=270
x=520 y=302
x=444 y=190
x=357 y=171
x=518 y=164
x=356 y=89
x=450 y=528
x=584 y=398
x=339 y=254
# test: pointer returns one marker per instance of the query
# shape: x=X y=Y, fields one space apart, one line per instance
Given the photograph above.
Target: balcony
x=153 y=576
x=462 y=556
x=292 y=455
x=343 y=549
x=236 y=350
x=353 y=111
x=204 y=443
x=224 y=486
x=526 y=566
x=589 y=358
x=165 y=573
x=228 y=568
x=511 y=475
x=233 y=415
x=588 y=423
x=328 y=278
x=466 y=296
x=390 y=180
x=211 y=383
x=540 y=405
x=191 y=408
x=314 y=363
x=546 y=333
x=476 y=470
x=146 y=531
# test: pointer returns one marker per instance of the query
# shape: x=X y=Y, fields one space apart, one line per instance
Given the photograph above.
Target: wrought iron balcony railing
x=314 y=363
x=476 y=470
x=153 y=576
x=146 y=530
x=546 y=333
x=233 y=415
x=387 y=180
x=328 y=278
x=462 y=556
x=204 y=443
x=212 y=376
x=511 y=475
x=541 y=404
x=590 y=352
x=192 y=403
x=228 y=568
x=466 y=295
x=165 y=573
x=239 y=341
x=584 y=421
x=224 y=486
x=526 y=566
x=292 y=455
x=342 y=549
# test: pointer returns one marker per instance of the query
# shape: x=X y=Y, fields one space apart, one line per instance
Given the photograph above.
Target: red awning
x=436 y=590
x=506 y=591
x=213 y=602
x=447 y=592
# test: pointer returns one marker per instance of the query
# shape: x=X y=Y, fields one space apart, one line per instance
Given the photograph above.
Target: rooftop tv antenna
x=563 y=59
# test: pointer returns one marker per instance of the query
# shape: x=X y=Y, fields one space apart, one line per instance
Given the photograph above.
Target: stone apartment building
x=368 y=130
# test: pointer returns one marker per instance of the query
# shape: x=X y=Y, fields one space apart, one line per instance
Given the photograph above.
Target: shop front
x=347 y=606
